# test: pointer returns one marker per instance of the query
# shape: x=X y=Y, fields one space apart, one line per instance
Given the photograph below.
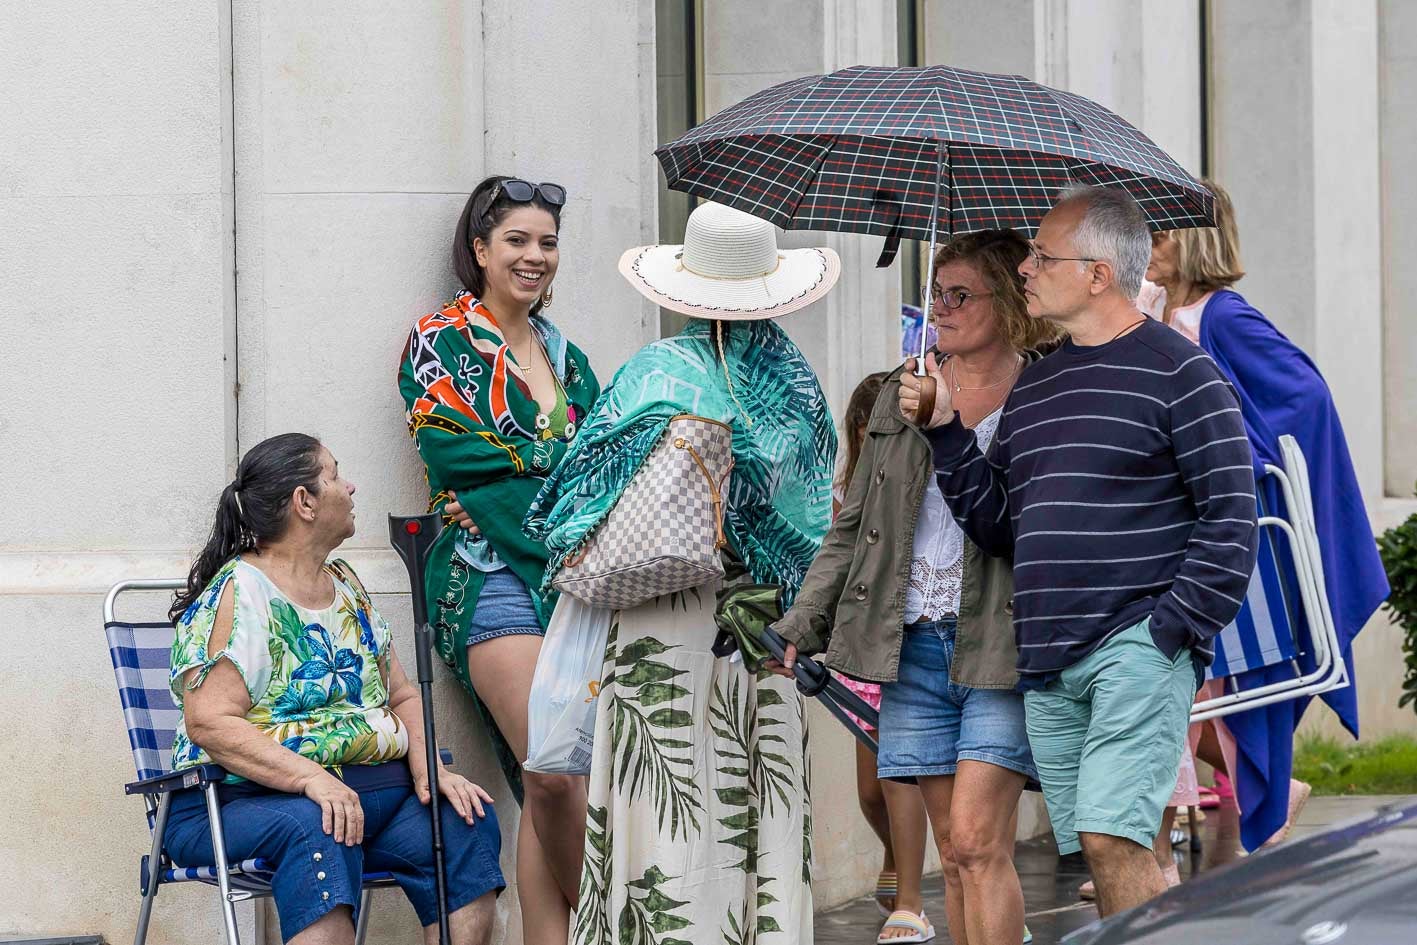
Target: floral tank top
x=313 y=676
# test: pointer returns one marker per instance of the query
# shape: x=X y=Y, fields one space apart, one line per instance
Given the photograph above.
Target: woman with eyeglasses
x=494 y=393
x=928 y=615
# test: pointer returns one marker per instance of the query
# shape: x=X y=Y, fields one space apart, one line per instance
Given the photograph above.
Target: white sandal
x=919 y=926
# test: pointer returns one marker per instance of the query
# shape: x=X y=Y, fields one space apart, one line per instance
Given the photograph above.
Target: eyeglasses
x=1042 y=259
x=522 y=191
x=954 y=298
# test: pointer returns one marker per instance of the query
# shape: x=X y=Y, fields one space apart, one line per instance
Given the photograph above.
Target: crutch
x=412 y=537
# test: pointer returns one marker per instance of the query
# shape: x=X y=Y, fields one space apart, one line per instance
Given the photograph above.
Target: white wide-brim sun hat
x=729 y=268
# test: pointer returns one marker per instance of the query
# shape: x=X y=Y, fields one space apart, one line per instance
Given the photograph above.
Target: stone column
x=117 y=322
x=1397 y=89
x=1140 y=59
x=1296 y=142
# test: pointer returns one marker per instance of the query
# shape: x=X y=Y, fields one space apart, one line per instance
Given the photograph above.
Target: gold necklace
x=957 y=388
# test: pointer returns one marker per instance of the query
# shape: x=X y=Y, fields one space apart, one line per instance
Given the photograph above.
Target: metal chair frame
x=156 y=868
x=1330 y=672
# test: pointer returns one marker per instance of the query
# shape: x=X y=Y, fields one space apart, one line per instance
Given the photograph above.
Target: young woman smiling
x=494 y=394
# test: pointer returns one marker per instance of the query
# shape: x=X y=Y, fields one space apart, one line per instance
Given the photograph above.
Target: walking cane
x=412 y=537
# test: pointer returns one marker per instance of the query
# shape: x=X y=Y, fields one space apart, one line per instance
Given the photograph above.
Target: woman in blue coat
x=1281 y=391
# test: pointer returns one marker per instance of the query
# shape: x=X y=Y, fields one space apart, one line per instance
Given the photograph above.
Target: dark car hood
x=1355 y=884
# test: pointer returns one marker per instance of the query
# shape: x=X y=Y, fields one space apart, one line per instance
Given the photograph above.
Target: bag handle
x=715 y=493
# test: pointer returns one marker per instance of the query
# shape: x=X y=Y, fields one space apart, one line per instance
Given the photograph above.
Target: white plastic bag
x=566 y=688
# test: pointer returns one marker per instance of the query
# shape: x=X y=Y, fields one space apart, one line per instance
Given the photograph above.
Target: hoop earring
x=546 y=297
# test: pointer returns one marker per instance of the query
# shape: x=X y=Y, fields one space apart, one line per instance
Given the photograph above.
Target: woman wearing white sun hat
x=699 y=818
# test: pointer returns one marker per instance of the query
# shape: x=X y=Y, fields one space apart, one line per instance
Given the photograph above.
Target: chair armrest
x=201 y=775
x=445 y=756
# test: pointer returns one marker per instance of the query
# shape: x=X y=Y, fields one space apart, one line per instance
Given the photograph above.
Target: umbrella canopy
x=863 y=150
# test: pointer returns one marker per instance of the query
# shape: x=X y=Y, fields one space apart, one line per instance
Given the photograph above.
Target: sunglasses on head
x=521 y=191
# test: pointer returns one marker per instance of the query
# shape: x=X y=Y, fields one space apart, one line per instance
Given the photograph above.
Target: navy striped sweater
x=1121 y=484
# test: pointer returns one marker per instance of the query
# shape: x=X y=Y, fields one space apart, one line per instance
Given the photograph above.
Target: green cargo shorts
x=1107 y=736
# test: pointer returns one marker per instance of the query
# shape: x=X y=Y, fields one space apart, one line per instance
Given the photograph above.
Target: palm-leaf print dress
x=699 y=820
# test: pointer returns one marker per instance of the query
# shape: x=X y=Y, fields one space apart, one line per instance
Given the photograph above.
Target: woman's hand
x=459 y=514
x=467 y=798
x=910 y=393
x=784 y=669
x=342 y=818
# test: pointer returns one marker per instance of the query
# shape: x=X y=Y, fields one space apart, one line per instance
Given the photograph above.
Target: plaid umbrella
x=904 y=151
x=863 y=150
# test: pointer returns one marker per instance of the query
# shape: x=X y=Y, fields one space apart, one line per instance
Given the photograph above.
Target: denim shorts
x=929 y=724
x=504 y=608
x=314 y=874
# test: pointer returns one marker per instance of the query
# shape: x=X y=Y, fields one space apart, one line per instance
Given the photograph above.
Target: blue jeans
x=929 y=724
x=314 y=874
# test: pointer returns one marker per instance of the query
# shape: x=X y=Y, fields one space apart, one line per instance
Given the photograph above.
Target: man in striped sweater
x=1120 y=483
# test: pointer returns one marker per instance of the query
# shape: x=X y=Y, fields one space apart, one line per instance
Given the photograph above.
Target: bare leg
x=938 y=793
x=1125 y=872
x=908 y=826
x=335 y=927
x=1208 y=747
x=470 y=925
x=870 y=795
x=984 y=806
x=1161 y=846
x=501 y=670
x=557 y=805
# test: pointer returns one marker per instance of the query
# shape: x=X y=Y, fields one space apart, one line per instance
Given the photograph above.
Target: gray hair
x=1113 y=229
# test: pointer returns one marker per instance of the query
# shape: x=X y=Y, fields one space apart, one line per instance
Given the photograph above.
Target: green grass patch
x=1387 y=766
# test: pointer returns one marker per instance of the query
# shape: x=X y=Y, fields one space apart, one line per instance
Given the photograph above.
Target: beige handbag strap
x=715 y=492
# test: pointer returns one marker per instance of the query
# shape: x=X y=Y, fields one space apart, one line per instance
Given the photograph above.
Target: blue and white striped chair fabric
x=1264 y=632
x=141 y=655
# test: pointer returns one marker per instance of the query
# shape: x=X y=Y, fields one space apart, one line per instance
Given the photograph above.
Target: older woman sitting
x=286 y=676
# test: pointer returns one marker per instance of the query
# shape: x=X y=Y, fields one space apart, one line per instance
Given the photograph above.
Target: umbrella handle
x=926 y=408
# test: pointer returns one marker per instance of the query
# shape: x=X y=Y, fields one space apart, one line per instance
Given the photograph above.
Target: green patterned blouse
x=313 y=676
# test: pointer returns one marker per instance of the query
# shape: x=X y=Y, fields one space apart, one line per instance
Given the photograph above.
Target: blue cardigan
x=1281 y=391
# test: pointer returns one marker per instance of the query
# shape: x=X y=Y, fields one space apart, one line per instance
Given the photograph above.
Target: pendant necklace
x=956 y=385
x=543 y=419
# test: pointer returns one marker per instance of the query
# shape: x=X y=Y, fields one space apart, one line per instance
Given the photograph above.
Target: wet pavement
x=1050 y=882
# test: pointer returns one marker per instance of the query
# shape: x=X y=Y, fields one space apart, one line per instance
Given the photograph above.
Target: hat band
x=681 y=266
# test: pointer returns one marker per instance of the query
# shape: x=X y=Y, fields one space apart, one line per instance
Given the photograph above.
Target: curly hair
x=997 y=255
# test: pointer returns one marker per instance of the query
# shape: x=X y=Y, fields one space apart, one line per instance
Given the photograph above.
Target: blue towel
x=1281 y=391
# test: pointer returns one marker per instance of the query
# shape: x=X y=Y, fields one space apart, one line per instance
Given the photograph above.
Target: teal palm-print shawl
x=779 y=496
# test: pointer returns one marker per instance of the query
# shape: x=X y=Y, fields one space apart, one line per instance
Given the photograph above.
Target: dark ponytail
x=253 y=507
x=482 y=214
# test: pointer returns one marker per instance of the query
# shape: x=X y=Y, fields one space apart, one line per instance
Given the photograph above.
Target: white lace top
x=937 y=561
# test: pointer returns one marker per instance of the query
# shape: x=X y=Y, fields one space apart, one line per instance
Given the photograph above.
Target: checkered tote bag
x=665 y=533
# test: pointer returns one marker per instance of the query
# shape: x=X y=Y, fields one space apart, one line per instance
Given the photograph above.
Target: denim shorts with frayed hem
x=1107 y=736
x=504 y=608
x=929 y=724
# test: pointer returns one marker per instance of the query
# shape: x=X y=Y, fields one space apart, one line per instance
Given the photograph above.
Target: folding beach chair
x=1286 y=611
x=140 y=653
